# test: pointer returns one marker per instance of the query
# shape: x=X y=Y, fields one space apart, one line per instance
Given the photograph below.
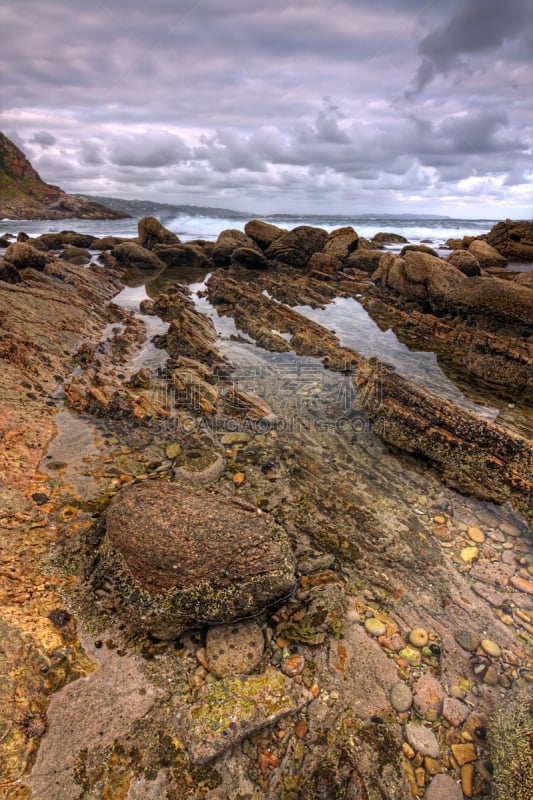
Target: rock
x=183 y=255
x=232 y=709
x=465 y=261
x=238 y=437
x=509 y=529
x=419 y=248
x=341 y=242
x=131 y=254
x=412 y=655
x=422 y=740
x=514 y=240
x=476 y=534
x=387 y=237
x=107 y=242
x=421 y=277
x=292 y=665
x=491 y=677
x=467 y=779
x=263 y=233
x=178 y=558
x=468 y=641
x=375 y=627
x=364 y=260
x=486 y=255
x=9 y=273
x=419 y=637
x=522 y=584
x=443 y=787
x=152 y=232
x=497 y=305
x=23 y=256
x=428 y=695
x=297 y=246
x=454 y=711
x=249 y=258
x=199 y=466
x=491 y=648
x=401 y=697
x=228 y=241
x=239 y=403
x=76 y=255
x=464 y=753
x=234 y=649
x=325 y=263
x=57 y=241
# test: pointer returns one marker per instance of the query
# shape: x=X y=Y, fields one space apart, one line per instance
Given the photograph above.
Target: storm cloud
x=281 y=107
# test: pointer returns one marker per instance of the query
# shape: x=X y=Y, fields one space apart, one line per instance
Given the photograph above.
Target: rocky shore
x=201 y=600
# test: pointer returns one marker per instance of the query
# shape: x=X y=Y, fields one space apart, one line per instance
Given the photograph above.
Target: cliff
x=24 y=195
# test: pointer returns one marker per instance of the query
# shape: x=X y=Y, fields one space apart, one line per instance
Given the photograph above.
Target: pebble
x=422 y=740
x=457 y=691
x=432 y=765
x=419 y=637
x=428 y=695
x=238 y=437
x=454 y=711
x=464 y=753
x=491 y=677
x=443 y=787
x=469 y=554
x=467 y=779
x=375 y=627
x=491 y=648
x=173 y=450
x=293 y=665
x=522 y=584
x=466 y=640
x=476 y=534
x=401 y=697
x=239 y=477
x=509 y=529
x=411 y=655
x=234 y=649
x=394 y=642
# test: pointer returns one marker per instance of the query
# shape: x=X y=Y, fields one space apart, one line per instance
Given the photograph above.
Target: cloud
x=476 y=26
x=295 y=106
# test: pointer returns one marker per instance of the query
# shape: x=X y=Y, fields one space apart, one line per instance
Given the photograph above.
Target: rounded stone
x=443 y=787
x=422 y=740
x=174 y=557
x=375 y=627
x=466 y=640
x=428 y=695
x=509 y=529
x=401 y=697
x=475 y=534
x=292 y=665
x=412 y=655
x=199 y=465
x=491 y=677
x=234 y=649
x=419 y=637
x=454 y=711
x=491 y=648
x=469 y=554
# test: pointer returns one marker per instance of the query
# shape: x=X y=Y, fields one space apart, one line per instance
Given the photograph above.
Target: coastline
x=368 y=551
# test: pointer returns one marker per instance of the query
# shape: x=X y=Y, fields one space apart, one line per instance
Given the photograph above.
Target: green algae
x=511 y=744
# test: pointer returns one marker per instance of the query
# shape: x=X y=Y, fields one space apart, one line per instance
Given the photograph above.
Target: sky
x=339 y=107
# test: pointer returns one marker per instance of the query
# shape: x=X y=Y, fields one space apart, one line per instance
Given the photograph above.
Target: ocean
x=187 y=226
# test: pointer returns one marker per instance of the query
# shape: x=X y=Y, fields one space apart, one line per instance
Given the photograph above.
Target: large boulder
x=131 y=254
x=514 y=240
x=486 y=255
x=174 y=558
x=500 y=306
x=296 y=247
x=341 y=242
x=229 y=240
x=152 y=232
x=419 y=277
x=387 y=237
x=249 y=258
x=420 y=248
x=182 y=255
x=9 y=273
x=263 y=233
x=24 y=256
x=364 y=260
x=465 y=261
x=56 y=241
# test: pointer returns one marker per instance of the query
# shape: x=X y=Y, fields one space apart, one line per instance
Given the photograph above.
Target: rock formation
x=24 y=195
